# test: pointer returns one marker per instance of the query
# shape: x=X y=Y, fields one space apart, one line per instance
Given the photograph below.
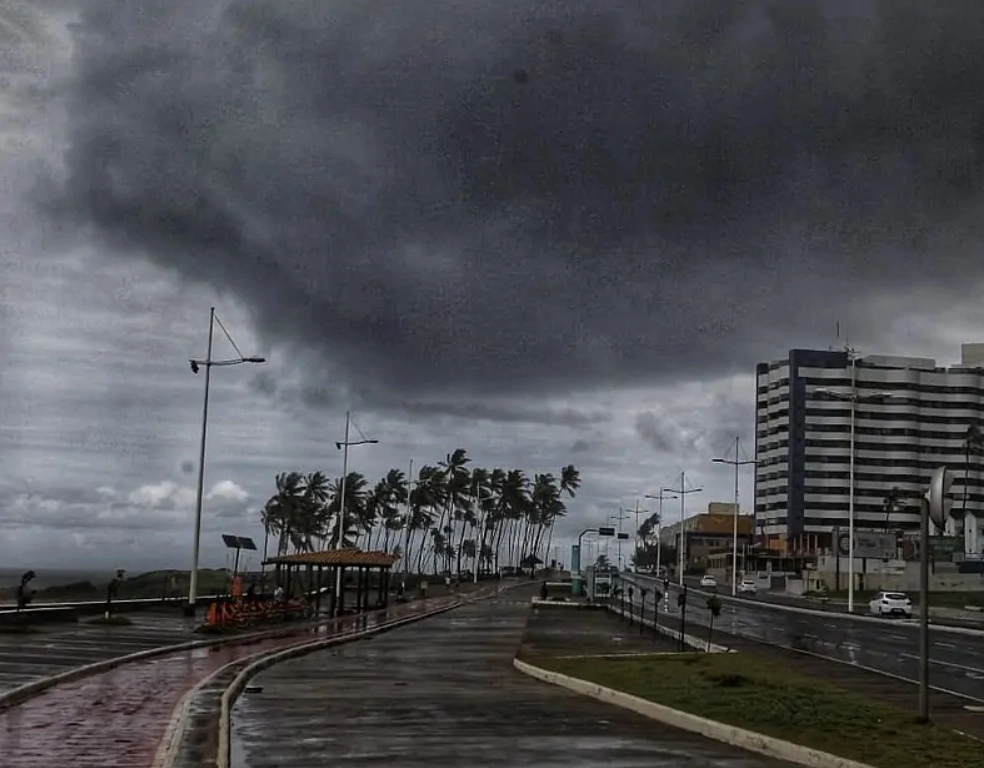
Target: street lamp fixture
x=196 y=365
x=736 y=462
x=853 y=397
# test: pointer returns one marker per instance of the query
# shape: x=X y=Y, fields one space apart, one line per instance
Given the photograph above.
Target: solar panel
x=245 y=542
x=232 y=542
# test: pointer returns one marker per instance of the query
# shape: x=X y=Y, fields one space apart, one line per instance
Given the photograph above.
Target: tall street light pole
x=853 y=397
x=196 y=366
x=407 y=520
x=637 y=513
x=659 y=524
x=683 y=491
x=737 y=463
x=618 y=545
x=340 y=539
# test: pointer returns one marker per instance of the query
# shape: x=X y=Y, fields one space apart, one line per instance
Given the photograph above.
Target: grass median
x=765 y=697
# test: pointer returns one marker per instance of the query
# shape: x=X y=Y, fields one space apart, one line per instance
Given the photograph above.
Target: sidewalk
x=445 y=692
x=118 y=718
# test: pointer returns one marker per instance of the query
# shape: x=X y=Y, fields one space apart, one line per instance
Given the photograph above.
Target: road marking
x=944 y=645
x=964 y=667
x=903 y=638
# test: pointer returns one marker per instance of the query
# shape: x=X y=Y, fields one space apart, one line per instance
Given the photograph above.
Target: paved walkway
x=444 y=692
x=54 y=648
x=118 y=718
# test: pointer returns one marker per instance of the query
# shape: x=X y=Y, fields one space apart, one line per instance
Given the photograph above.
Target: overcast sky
x=546 y=232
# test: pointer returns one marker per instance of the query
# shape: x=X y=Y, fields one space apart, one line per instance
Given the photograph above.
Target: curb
x=251 y=665
x=22 y=693
x=712 y=729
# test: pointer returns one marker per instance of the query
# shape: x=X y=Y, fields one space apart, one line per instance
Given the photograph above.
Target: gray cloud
x=660 y=436
x=675 y=188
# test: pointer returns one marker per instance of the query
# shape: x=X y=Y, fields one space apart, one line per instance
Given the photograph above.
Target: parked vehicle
x=891 y=604
x=747 y=587
x=708 y=582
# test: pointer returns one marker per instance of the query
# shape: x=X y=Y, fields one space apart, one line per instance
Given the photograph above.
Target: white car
x=747 y=587
x=891 y=604
x=708 y=582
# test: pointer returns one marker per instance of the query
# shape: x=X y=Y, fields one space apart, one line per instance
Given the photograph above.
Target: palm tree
x=455 y=512
x=355 y=498
x=892 y=502
x=455 y=478
x=281 y=512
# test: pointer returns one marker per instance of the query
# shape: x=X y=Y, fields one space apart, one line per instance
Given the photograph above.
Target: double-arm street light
x=737 y=463
x=659 y=523
x=853 y=397
x=683 y=490
x=196 y=365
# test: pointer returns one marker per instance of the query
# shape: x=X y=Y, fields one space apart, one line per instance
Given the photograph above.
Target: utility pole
x=737 y=463
x=618 y=545
x=683 y=491
x=637 y=513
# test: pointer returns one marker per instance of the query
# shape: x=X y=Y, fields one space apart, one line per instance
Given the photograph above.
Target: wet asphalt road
x=957 y=660
x=58 y=647
x=443 y=692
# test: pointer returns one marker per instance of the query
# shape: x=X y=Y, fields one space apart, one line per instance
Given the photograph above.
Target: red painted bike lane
x=118 y=718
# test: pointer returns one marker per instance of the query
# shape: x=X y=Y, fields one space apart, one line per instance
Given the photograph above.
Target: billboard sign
x=878 y=545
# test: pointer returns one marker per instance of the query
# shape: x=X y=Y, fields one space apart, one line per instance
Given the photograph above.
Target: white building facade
x=910 y=415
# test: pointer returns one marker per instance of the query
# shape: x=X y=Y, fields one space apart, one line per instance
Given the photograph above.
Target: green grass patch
x=760 y=696
x=115 y=620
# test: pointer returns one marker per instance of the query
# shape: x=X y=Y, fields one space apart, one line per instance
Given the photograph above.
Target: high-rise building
x=910 y=416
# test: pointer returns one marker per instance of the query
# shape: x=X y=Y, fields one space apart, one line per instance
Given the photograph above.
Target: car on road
x=891 y=604
x=747 y=587
x=708 y=582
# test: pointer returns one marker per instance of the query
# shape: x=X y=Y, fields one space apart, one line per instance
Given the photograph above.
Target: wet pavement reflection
x=444 y=692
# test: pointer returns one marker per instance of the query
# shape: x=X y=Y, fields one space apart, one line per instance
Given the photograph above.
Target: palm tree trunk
x=549 y=541
x=461 y=539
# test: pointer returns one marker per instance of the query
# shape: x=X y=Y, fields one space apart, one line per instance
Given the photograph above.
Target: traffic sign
x=606 y=531
x=623 y=536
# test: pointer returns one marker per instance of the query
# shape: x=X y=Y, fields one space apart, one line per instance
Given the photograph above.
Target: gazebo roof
x=346 y=558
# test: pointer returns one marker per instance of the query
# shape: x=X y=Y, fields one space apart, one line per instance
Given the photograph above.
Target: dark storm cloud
x=460 y=198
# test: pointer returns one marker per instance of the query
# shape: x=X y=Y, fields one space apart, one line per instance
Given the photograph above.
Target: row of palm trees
x=457 y=514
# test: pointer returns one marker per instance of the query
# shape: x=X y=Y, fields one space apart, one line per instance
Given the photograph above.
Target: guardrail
x=936 y=625
x=47 y=613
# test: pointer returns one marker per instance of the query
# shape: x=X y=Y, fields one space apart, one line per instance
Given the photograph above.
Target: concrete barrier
x=751 y=741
